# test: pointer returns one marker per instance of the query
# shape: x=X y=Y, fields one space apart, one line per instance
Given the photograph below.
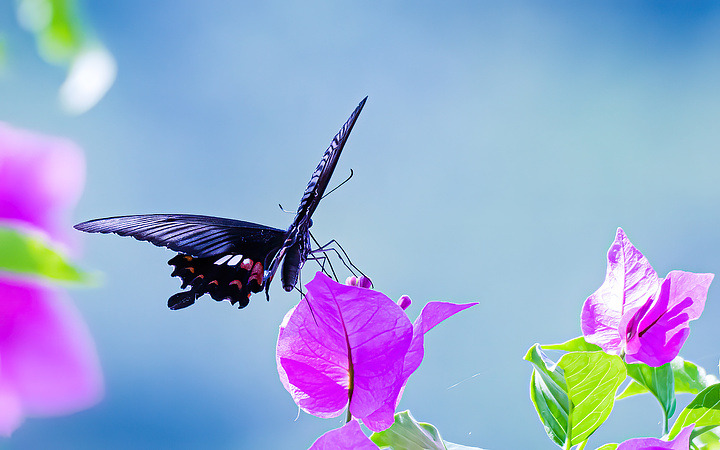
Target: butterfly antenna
x=336 y=187
x=284 y=210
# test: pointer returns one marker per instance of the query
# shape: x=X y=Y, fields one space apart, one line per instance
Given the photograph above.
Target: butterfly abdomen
x=291 y=266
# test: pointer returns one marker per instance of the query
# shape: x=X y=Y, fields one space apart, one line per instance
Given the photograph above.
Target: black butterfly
x=230 y=259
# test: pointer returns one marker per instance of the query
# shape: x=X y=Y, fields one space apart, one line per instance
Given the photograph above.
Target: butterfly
x=231 y=259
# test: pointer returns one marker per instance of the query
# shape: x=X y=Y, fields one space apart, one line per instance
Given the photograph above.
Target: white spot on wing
x=235 y=260
x=223 y=260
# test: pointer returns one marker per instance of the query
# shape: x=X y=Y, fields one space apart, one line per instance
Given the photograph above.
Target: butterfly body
x=226 y=258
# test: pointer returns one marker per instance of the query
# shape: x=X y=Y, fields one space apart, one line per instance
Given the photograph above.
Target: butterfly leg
x=341 y=255
x=322 y=259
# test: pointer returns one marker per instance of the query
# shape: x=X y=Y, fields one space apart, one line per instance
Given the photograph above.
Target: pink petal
x=432 y=314
x=347 y=325
x=324 y=375
x=347 y=437
x=41 y=178
x=681 y=442
x=656 y=334
x=49 y=365
x=629 y=282
x=383 y=418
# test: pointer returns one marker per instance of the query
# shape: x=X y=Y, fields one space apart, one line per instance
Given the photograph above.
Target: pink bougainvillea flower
x=353 y=345
x=348 y=437
x=41 y=179
x=681 y=442
x=636 y=313
x=48 y=364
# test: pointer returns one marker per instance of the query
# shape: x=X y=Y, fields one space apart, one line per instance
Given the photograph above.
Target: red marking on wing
x=257 y=273
x=236 y=283
x=246 y=264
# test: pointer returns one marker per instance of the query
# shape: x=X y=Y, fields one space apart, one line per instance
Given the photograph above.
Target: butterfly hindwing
x=222 y=257
x=231 y=277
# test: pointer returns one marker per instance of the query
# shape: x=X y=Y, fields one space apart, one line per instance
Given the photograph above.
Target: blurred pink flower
x=355 y=345
x=41 y=179
x=48 y=363
x=636 y=313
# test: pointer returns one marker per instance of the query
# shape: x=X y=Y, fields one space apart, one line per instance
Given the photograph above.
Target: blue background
x=501 y=146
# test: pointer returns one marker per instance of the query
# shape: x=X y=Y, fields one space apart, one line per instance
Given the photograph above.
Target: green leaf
x=705 y=438
x=407 y=433
x=29 y=255
x=579 y=344
x=608 y=447
x=549 y=394
x=689 y=378
x=633 y=388
x=576 y=395
x=703 y=411
x=451 y=446
x=660 y=381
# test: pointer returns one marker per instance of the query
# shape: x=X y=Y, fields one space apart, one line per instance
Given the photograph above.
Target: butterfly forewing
x=297 y=241
x=200 y=236
x=324 y=170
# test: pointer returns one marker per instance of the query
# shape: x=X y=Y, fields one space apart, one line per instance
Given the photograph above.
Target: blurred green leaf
x=576 y=395
x=58 y=30
x=408 y=434
x=2 y=51
x=28 y=255
x=579 y=344
x=608 y=447
x=703 y=411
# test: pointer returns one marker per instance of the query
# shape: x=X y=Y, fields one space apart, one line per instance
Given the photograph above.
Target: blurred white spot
x=91 y=74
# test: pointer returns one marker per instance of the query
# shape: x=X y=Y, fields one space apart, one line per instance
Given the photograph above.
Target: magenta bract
x=348 y=437
x=355 y=345
x=681 y=442
x=639 y=314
